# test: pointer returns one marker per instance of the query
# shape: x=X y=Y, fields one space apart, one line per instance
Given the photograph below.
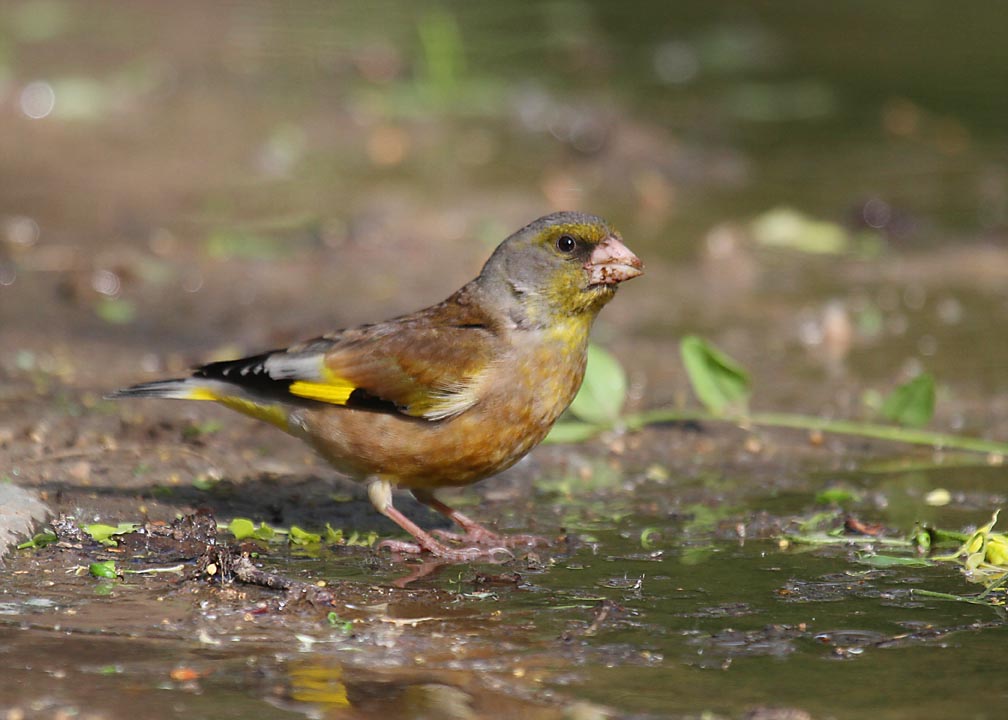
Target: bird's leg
x=474 y=532
x=380 y=493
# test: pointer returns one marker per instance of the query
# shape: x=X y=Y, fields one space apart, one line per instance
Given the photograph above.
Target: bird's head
x=563 y=264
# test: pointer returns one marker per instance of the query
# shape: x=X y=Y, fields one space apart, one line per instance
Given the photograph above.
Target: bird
x=444 y=396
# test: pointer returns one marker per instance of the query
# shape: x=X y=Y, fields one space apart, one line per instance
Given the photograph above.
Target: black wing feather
x=248 y=372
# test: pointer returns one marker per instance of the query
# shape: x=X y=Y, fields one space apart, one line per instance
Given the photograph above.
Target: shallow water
x=691 y=623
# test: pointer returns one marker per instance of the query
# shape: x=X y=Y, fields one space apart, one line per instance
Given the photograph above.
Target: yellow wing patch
x=335 y=393
x=331 y=388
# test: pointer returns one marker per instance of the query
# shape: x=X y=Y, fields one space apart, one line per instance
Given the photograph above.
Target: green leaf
x=997 y=550
x=719 y=382
x=103 y=533
x=333 y=535
x=912 y=404
x=837 y=496
x=40 y=540
x=922 y=540
x=303 y=537
x=242 y=528
x=264 y=532
x=362 y=540
x=985 y=547
x=572 y=432
x=648 y=537
x=346 y=626
x=106 y=569
x=603 y=391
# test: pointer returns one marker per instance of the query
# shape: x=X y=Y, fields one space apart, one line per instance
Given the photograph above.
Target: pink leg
x=380 y=492
x=474 y=532
x=424 y=541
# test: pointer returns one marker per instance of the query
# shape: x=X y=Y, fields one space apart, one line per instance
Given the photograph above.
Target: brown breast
x=520 y=398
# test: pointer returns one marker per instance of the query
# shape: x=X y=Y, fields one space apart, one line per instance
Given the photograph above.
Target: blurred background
x=823 y=191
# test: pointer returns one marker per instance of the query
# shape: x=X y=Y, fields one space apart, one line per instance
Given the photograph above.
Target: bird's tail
x=179 y=389
x=227 y=394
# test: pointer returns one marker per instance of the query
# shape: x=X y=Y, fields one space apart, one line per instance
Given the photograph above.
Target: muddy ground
x=212 y=182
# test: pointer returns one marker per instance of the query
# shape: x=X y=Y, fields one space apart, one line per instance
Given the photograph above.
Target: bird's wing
x=429 y=365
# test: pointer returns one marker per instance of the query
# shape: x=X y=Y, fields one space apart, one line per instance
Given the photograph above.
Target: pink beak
x=612 y=262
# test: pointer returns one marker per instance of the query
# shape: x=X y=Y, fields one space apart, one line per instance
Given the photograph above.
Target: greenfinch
x=447 y=395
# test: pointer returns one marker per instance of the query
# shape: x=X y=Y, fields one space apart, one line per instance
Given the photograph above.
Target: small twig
x=177 y=569
x=245 y=571
x=227 y=564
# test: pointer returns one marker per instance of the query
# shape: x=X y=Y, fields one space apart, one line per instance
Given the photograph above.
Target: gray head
x=566 y=263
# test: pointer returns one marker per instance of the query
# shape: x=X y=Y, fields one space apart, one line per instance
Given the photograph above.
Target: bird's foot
x=473 y=533
x=479 y=535
x=425 y=542
x=443 y=552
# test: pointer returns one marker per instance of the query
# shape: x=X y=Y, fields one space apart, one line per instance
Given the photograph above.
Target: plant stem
x=943 y=596
x=841 y=427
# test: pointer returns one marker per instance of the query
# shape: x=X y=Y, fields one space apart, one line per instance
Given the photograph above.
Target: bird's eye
x=566 y=244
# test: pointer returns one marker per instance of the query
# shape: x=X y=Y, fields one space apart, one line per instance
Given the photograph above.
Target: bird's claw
x=400 y=546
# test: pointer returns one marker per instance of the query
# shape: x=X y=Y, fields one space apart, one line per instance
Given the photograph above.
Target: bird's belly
x=417 y=453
